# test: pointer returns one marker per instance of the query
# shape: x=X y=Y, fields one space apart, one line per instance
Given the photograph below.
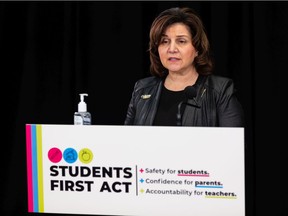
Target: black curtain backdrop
x=52 y=51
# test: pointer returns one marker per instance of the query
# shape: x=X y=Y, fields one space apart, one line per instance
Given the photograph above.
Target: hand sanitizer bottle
x=82 y=117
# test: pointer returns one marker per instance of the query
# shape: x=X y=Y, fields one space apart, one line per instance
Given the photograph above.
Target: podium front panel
x=135 y=170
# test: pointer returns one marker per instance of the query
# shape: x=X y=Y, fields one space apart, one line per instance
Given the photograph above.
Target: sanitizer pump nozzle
x=82 y=106
x=82 y=117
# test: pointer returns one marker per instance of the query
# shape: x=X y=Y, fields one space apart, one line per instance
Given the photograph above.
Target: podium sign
x=135 y=170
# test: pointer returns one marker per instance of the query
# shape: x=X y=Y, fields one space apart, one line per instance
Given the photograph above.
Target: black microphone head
x=190 y=92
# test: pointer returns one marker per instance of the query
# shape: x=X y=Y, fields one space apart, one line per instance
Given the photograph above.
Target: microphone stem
x=179 y=115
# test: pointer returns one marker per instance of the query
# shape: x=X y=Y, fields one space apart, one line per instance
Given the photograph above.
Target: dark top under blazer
x=215 y=95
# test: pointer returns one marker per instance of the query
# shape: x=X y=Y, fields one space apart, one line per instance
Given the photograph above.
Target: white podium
x=135 y=170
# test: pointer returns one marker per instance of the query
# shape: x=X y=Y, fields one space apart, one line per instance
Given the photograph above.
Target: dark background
x=52 y=51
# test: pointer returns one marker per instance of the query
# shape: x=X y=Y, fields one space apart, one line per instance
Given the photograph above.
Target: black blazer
x=219 y=106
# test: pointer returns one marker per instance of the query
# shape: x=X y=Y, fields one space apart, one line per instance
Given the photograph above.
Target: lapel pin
x=146 y=96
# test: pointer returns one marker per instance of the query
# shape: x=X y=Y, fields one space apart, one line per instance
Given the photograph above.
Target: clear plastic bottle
x=82 y=117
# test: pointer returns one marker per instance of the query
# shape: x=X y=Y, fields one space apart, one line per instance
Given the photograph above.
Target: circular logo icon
x=85 y=155
x=70 y=155
x=55 y=155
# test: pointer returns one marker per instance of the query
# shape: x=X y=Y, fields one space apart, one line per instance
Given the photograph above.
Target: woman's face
x=175 y=50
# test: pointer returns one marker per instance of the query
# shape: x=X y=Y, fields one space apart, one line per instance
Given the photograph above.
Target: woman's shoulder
x=147 y=82
x=218 y=81
x=219 y=78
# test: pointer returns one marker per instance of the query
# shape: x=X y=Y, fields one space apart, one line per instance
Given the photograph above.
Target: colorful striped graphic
x=34 y=168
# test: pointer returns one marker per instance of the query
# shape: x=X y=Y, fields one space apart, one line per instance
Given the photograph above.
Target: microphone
x=190 y=93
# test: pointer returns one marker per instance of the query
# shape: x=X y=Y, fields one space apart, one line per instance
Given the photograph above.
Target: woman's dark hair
x=203 y=62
